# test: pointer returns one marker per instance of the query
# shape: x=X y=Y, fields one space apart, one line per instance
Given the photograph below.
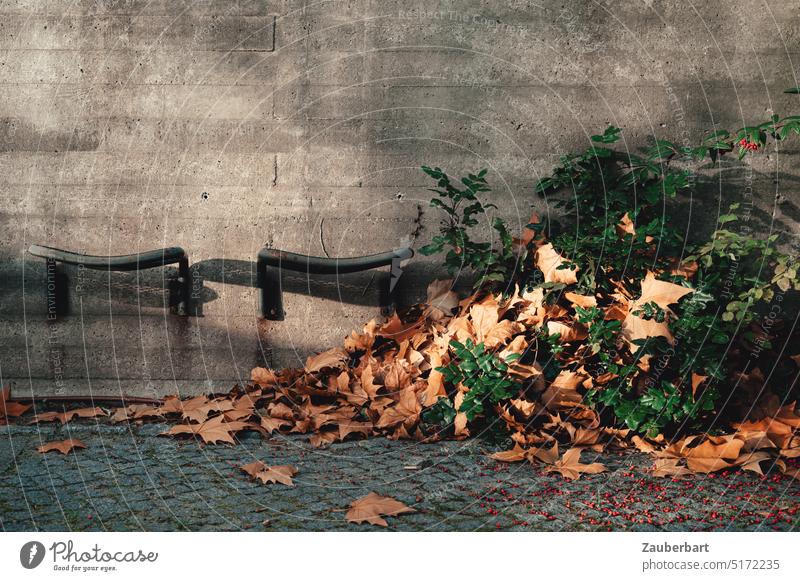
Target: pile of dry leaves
x=383 y=378
x=381 y=381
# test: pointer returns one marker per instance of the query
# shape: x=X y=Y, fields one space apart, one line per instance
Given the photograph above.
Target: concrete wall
x=222 y=126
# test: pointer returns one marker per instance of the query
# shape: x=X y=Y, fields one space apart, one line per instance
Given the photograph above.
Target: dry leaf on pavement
x=270 y=474
x=10 y=409
x=373 y=506
x=64 y=446
x=68 y=415
x=211 y=431
x=570 y=467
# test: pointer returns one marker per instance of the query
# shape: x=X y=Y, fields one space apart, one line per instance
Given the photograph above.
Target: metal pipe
x=123 y=263
x=320 y=265
x=127 y=262
x=125 y=400
x=271 y=262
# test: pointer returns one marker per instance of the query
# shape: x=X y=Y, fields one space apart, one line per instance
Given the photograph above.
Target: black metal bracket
x=124 y=263
x=272 y=262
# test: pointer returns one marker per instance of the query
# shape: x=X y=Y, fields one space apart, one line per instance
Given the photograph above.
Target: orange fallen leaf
x=660 y=292
x=581 y=300
x=542 y=454
x=635 y=327
x=197 y=410
x=372 y=507
x=211 y=431
x=263 y=376
x=441 y=299
x=570 y=467
x=670 y=468
x=396 y=329
x=10 y=409
x=408 y=408
x=567 y=333
x=643 y=445
x=332 y=358
x=271 y=424
x=549 y=261
x=752 y=461
x=353 y=427
x=563 y=389
x=68 y=415
x=697 y=379
x=625 y=226
x=64 y=446
x=270 y=474
x=516 y=454
x=135 y=412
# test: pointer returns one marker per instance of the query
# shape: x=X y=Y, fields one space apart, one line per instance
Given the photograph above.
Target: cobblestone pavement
x=129 y=479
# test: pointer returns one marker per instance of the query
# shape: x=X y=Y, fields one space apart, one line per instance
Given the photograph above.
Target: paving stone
x=129 y=479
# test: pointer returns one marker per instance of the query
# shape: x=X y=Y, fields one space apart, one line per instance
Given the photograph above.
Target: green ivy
x=483 y=372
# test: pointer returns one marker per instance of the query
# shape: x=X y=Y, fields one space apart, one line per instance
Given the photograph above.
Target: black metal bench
x=272 y=262
x=128 y=262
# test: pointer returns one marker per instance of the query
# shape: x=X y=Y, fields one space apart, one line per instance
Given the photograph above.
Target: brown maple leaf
x=332 y=358
x=570 y=467
x=625 y=226
x=323 y=439
x=567 y=332
x=549 y=261
x=241 y=409
x=263 y=377
x=752 y=461
x=68 y=415
x=435 y=385
x=669 y=468
x=135 y=412
x=197 y=410
x=709 y=454
x=373 y=506
x=564 y=388
x=270 y=474
x=660 y=292
x=211 y=431
x=347 y=427
x=581 y=300
x=271 y=424
x=697 y=379
x=175 y=405
x=441 y=299
x=64 y=446
x=635 y=327
x=10 y=409
x=407 y=409
x=515 y=454
x=396 y=329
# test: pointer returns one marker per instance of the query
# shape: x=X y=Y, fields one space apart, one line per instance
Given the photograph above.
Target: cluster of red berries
x=749 y=145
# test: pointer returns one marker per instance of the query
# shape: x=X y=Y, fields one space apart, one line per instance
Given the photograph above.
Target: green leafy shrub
x=484 y=373
x=461 y=206
x=715 y=329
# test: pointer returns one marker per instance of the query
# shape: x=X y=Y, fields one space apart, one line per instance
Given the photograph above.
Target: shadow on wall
x=96 y=293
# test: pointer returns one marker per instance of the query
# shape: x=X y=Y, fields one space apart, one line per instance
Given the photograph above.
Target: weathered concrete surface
x=223 y=125
x=130 y=479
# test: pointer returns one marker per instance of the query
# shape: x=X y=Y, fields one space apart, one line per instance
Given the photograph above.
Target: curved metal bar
x=271 y=262
x=320 y=265
x=142 y=260
x=124 y=263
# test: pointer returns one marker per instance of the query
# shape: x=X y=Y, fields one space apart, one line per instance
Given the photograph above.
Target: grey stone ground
x=129 y=479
